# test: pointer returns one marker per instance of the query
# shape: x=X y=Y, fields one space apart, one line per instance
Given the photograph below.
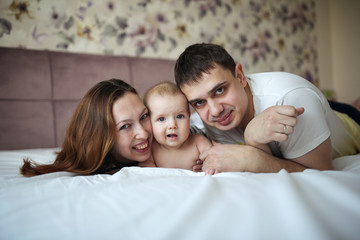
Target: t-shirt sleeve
x=311 y=128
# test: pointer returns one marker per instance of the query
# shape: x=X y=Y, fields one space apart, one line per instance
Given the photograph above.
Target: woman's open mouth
x=142 y=147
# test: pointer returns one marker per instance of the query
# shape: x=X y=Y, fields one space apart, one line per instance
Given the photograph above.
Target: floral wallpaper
x=263 y=35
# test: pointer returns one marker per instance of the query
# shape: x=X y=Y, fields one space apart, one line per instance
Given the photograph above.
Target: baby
x=173 y=146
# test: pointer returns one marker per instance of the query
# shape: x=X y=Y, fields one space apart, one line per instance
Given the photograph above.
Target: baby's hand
x=198 y=166
x=211 y=171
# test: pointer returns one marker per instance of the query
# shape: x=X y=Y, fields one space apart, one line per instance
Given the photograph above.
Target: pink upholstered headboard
x=39 y=90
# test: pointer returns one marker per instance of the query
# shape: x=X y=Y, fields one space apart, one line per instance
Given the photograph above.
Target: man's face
x=220 y=98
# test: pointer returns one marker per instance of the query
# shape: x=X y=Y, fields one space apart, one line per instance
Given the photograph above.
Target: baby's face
x=170 y=119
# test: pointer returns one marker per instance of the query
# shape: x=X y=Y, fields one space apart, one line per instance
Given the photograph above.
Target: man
x=260 y=116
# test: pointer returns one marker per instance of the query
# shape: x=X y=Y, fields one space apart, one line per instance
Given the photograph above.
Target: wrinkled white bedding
x=156 y=203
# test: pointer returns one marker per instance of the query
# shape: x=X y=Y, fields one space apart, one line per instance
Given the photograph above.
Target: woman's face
x=133 y=136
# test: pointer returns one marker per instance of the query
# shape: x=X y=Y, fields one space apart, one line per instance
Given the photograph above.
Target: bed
x=145 y=203
x=159 y=203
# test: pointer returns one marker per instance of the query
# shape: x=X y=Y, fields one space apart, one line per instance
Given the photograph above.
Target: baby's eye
x=180 y=116
x=161 y=119
x=220 y=91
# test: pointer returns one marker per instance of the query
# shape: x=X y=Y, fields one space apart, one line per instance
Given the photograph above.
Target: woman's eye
x=161 y=119
x=146 y=115
x=180 y=116
x=125 y=126
x=220 y=91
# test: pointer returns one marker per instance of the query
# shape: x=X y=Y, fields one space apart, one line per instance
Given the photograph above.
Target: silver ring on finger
x=285 y=129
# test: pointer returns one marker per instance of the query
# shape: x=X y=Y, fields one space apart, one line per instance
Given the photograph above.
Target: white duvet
x=158 y=203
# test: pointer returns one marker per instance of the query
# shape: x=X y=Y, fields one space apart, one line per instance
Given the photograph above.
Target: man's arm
x=319 y=158
x=237 y=158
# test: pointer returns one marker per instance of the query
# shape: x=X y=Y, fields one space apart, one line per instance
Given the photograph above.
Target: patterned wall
x=263 y=35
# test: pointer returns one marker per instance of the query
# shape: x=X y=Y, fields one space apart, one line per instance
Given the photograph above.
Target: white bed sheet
x=157 y=203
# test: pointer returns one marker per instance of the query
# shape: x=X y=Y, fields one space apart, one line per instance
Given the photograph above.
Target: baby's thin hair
x=162 y=89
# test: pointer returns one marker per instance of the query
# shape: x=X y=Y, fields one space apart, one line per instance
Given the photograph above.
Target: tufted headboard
x=39 y=90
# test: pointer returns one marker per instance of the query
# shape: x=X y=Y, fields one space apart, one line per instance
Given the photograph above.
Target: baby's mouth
x=172 y=135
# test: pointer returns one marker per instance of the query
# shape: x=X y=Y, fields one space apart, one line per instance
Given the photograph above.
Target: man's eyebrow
x=191 y=102
x=209 y=92
x=216 y=87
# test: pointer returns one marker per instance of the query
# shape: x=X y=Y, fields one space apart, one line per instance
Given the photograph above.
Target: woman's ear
x=239 y=74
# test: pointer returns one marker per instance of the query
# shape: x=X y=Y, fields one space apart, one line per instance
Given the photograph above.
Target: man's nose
x=215 y=108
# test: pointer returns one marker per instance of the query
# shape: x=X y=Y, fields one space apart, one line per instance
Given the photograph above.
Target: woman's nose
x=141 y=132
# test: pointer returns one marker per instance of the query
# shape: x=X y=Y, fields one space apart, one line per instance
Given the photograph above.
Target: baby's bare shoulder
x=200 y=141
x=198 y=137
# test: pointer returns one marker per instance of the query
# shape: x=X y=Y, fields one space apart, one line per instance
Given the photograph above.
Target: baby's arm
x=202 y=144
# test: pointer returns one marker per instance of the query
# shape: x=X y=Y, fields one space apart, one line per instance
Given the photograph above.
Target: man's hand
x=273 y=124
x=239 y=158
x=224 y=158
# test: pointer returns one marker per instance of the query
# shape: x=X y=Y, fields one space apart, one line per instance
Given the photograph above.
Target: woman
x=104 y=133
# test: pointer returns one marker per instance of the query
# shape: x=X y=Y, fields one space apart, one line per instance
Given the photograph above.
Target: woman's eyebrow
x=131 y=120
x=122 y=121
x=143 y=111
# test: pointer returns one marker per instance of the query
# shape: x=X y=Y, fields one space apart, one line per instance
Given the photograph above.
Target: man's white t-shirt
x=314 y=126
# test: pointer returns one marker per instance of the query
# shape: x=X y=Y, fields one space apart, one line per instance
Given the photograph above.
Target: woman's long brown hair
x=90 y=134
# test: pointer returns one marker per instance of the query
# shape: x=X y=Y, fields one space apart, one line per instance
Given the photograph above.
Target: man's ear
x=239 y=74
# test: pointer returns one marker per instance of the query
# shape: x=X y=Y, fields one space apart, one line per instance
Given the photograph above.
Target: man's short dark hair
x=201 y=58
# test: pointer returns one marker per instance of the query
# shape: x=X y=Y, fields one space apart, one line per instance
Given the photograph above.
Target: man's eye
x=180 y=116
x=220 y=91
x=161 y=119
x=198 y=104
